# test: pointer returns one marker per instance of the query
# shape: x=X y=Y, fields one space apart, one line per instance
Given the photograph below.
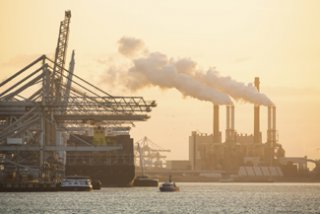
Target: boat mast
x=141 y=160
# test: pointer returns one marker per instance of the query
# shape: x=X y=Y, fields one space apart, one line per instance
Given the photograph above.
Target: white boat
x=169 y=186
x=76 y=183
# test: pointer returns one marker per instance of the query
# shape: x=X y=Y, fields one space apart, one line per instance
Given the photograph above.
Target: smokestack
x=230 y=133
x=228 y=117
x=216 y=132
x=232 y=117
x=272 y=130
x=274 y=118
x=257 y=138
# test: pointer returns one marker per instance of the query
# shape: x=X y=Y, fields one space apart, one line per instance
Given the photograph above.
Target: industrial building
x=244 y=155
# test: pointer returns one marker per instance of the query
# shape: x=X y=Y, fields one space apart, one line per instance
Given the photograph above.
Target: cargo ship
x=112 y=168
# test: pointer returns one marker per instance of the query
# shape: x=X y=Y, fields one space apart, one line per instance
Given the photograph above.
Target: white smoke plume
x=156 y=69
x=237 y=90
x=129 y=46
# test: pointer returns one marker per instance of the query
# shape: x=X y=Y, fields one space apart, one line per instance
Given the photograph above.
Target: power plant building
x=208 y=152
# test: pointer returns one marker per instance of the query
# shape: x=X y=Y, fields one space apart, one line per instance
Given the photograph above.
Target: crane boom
x=69 y=82
x=60 y=57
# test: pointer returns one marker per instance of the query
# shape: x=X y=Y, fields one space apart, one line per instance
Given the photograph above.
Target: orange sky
x=275 y=40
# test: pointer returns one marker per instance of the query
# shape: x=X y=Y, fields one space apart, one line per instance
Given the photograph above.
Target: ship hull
x=75 y=189
x=112 y=168
x=115 y=175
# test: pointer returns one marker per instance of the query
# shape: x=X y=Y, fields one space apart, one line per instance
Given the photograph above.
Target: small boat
x=169 y=186
x=76 y=183
x=145 y=181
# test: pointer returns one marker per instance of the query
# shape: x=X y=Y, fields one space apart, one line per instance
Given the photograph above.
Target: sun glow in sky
x=275 y=40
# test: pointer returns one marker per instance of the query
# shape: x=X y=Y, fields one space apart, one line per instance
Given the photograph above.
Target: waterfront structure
x=47 y=113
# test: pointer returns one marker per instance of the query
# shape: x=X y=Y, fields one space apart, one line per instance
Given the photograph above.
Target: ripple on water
x=193 y=198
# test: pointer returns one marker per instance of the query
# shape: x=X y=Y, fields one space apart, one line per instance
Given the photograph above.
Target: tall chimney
x=230 y=133
x=216 y=132
x=272 y=129
x=257 y=138
x=232 y=117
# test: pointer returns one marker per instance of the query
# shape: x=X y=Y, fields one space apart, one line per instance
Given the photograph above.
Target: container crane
x=150 y=153
x=44 y=102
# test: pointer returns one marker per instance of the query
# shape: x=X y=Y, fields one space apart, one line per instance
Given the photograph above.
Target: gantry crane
x=150 y=153
x=44 y=102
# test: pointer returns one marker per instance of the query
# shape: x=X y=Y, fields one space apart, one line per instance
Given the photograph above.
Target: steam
x=156 y=69
x=129 y=46
x=237 y=90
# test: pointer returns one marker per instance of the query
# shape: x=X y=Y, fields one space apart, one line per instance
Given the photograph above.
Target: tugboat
x=76 y=183
x=169 y=186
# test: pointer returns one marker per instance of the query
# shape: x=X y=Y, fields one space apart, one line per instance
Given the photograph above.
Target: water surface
x=193 y=198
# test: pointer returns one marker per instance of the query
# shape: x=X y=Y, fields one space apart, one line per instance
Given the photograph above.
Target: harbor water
x=192 y=198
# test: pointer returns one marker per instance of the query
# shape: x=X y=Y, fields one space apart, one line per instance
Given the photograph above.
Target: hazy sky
x=277 y=40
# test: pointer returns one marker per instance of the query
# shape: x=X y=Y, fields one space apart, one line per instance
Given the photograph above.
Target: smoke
x=129 y=46
x=156 y=69
x=237 y=90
